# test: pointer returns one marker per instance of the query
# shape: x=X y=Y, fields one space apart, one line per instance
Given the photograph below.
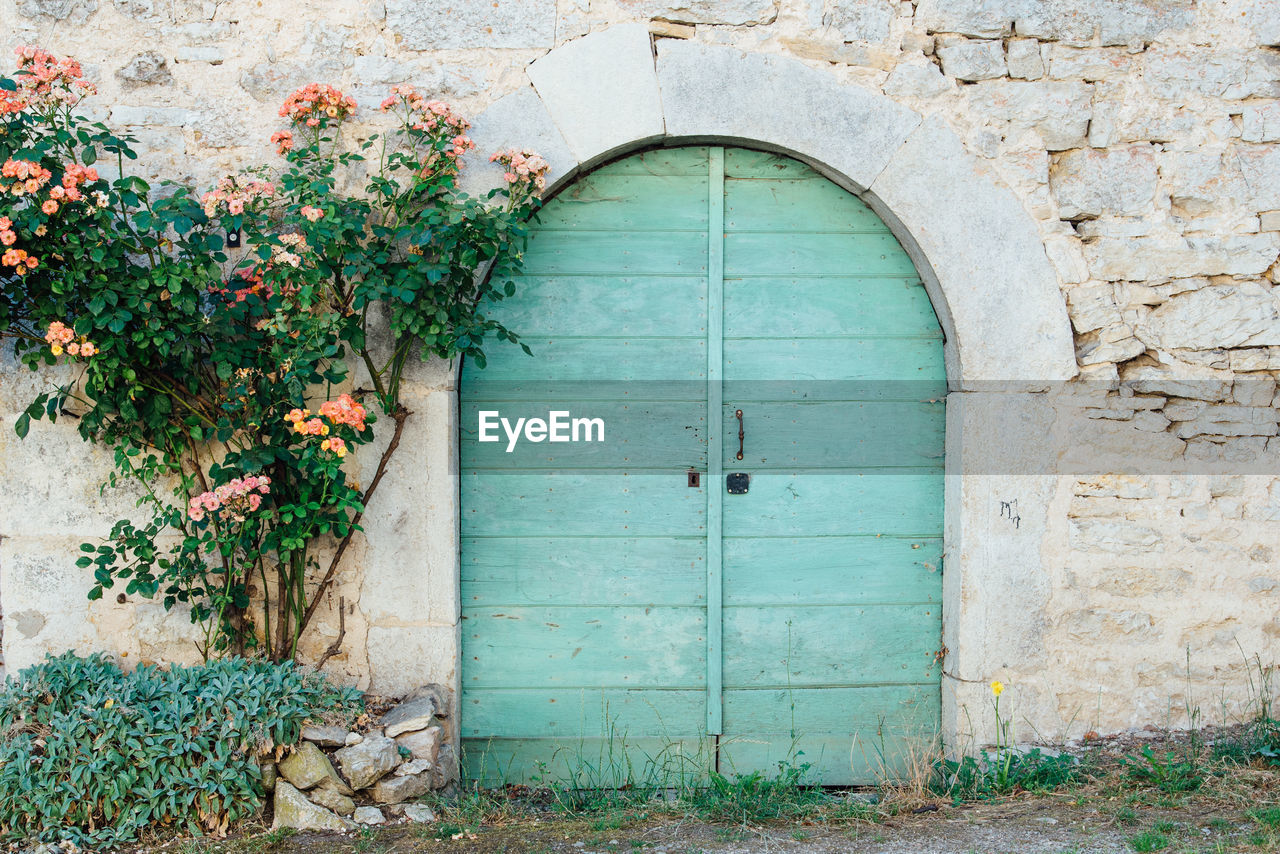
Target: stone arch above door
x=977 y=249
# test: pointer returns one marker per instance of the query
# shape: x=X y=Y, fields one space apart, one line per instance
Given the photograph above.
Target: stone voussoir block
x=602 y=91
x=713 y=92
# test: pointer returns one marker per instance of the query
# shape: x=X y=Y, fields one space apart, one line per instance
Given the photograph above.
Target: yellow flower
x=997 y=688
x=108 y=704
x=57 y=350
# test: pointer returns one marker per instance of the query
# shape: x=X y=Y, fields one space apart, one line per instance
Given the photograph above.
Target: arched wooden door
x=654 y=603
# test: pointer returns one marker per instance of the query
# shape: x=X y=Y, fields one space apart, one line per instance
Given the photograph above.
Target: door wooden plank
x=569 y=360
x=583 y=571
x=838 y=434
x=605 y=306
x=809 y=254
x=846 y=570
x=600 y=763
x=831 y=710
x=629 y=202
x=787 y=646
x=787 y=504
x=583 y=713
x=749 y=163
x=663 y=435
x=715 y=441
x=846 y=736
x=615 y=647
x=761 y=307
x=811 y=204
x=690 y=161
x=596 y=253
x=581 y=505
x=874 y=360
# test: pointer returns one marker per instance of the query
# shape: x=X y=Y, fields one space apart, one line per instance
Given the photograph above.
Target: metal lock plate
x=737 y=482
x=695 y=479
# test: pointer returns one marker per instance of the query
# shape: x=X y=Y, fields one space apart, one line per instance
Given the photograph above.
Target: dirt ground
x=1039 y=825
x=1232 y=806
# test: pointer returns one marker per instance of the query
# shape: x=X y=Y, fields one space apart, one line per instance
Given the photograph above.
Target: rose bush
x=220 y=372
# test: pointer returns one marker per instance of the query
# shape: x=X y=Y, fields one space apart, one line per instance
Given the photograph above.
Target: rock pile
x=336 y=778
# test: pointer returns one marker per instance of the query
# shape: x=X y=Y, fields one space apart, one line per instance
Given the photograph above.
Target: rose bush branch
x=221 y=376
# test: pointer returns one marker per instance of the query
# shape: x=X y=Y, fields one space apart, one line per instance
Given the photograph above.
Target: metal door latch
x=737 y=482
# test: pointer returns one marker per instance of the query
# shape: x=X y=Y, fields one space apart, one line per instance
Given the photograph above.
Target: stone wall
x=1143 y=138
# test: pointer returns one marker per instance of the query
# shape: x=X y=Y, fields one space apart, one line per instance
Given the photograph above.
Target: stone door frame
x=976 y=248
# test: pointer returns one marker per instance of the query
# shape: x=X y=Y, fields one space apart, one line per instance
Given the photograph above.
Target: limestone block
x=1243 y=315
x=1256 y=359
x=419 y=814
x=518 y=120
x=996 y=282
x=1254 y=389
x=69 y=11
x=37 y=503
x=1092 y=307
x=916 y=78
x=402 y=657
x=307 y=766
x=332 y=800
x=971 y=59
x=424 y=744
x=1230 y=421
x=1091 y=624
x=1133 y=117
x=293 y=809
x=1261 y=122
x=825 y=49
x=1160 y=257
x=1263 y=17
x=602 y=91
x=1269 y=221
x=1024 y=60
x=1112 y=344
x=1108 y=182
x=862 y=20
x=984 y=18
x=1116 y=486
x=1231 y=74
x=325 y=736
x=393 y=790
x=409 y=716
x=211 y=54
x=1208 y=180
x=1260 y=167
x=473 y=23
x=368 y=816
x=1059 y=110
x=729 y=12
x=713 y=92
x=365 y=763
x=1184 y=381
x=125 y=115
x=1102 y=63
x=1118 y=23
x=19 y=386
x=1112 y=535
x=145 y=69
x=1067 y=258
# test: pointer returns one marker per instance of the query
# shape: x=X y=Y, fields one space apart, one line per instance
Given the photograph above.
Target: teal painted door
x=620 y=622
